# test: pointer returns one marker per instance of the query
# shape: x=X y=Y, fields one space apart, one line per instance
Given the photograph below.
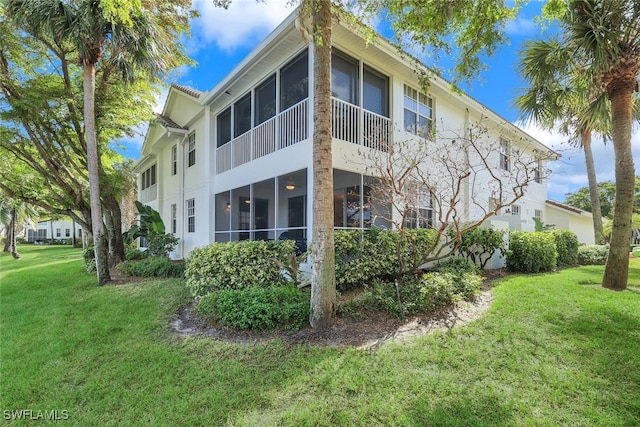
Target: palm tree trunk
x=596 y=212
x=93 y=159
x=617 y=267
x=323 y=283
x=12 y=230
x=113 y=217
x=7 y=241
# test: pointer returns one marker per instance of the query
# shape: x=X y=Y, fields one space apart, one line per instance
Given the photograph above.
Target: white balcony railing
x=348 y=120
x=262 y=140
x=350 y=123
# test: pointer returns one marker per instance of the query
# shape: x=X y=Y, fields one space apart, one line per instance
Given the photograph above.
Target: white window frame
x=423 y=215
x=174 y=159
x=191 y=215
x=191 y=150
x=537 y=173
x=174 y=218
x=422 y=106
x=515 y=210
x=538 y=214
x=505 y=154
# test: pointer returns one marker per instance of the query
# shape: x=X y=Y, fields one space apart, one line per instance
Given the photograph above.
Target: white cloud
x=243 y=24
x=521 y=27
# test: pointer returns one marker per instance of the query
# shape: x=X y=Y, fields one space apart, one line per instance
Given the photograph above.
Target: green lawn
x=554 y=349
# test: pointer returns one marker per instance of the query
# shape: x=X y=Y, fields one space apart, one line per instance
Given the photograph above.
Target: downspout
x=181 y=162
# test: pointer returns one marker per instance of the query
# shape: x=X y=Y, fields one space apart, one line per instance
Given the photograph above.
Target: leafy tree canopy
x=607 y=190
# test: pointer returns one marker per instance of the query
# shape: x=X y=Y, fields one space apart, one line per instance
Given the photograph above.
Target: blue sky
x=222 y=38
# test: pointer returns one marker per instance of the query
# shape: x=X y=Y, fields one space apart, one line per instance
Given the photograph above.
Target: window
x=58 y=232
x=494 y=202
x=224 y=127
x=515 y=210
x=174 y=160
x=67 y=232
x=191 y=215
x=537 y=173
x=294 y=81
x=242 y=115
x=265 y=102
x=504 y=154
x=174 y=218
x=375 y=92
x=537 y=214
x=79 y=233
x=421 y=215
x=418 y=112
x=344 y=78
x=148 y=178
x=191 y=150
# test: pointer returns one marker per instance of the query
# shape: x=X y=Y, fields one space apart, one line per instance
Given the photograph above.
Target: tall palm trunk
x=617 y=267
x=93 y=166
x=596 y=211
x=323 y=285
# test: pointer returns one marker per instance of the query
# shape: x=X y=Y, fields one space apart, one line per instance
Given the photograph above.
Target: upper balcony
x=350 y=123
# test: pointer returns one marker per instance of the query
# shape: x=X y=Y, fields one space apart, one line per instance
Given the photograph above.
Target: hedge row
x=535 y=252
x=257 y=308
x=362 y=256
x=423 y=294
x=237 y=265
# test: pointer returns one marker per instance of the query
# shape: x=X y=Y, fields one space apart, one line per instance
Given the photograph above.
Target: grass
x=554 y=349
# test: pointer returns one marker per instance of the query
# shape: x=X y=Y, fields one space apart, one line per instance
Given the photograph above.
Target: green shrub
x=456 y=265
x=160 y=244
x=257 y=308
x=593 y=254
x=237 y=265
x=135 y=254
x=89 y=258
x=152 y=267
x=362 y=256
x=567 y=247
x=531 y=252
x=479 y=245
x=424 y=294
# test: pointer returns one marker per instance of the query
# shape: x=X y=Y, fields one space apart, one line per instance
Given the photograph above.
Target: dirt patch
x=368 y=330
x=118 y=278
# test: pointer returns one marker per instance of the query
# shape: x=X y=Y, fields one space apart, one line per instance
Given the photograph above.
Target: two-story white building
x=236 y=162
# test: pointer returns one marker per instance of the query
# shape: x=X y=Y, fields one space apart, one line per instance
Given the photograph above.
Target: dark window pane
x=294 y=78
x=344 y=80
x=266 y=100
x=224 y=127
x=375 y=92
x=242 y=115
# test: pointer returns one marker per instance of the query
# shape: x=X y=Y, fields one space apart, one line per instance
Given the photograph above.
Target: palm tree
x=129 y=39
x=607 y=35
x=561 y=96
x=13 y=215
x=323 y=285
